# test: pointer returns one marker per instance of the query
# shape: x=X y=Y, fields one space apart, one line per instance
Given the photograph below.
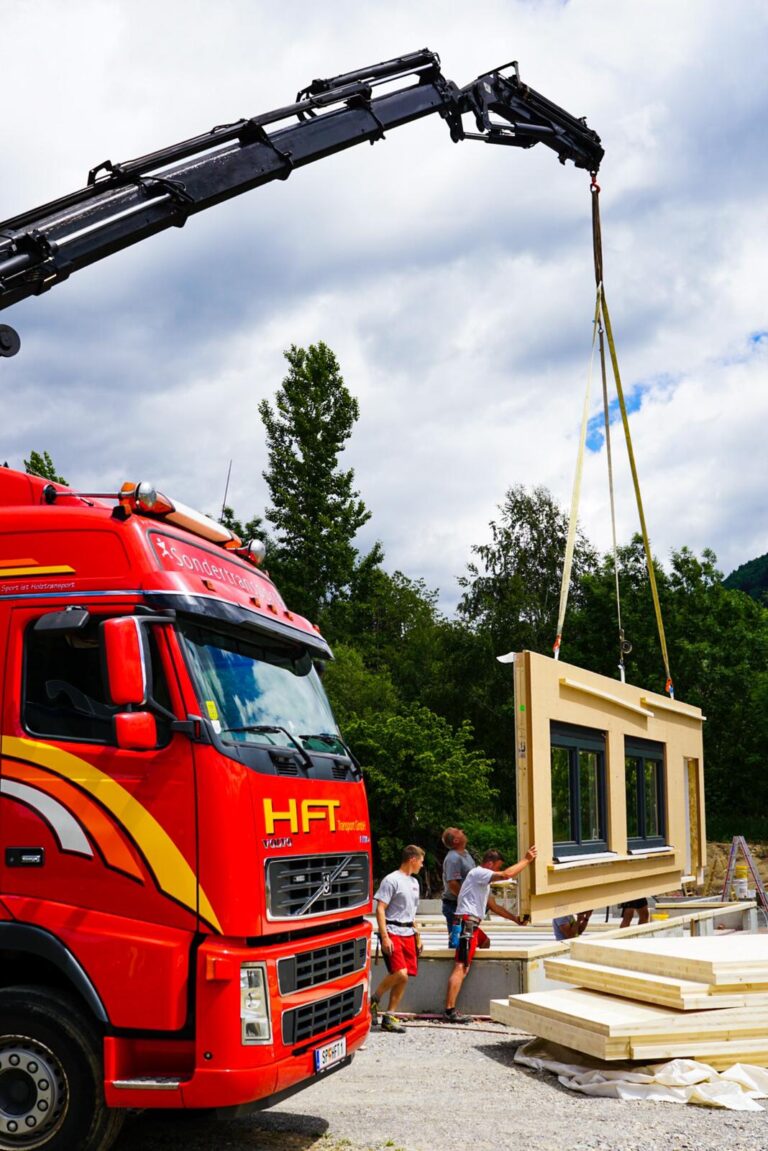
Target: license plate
x=325 y=1057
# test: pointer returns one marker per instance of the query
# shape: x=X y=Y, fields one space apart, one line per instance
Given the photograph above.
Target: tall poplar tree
x=315 y=510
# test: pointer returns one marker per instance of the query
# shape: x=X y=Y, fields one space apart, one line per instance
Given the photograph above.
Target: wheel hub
x=33 y=1092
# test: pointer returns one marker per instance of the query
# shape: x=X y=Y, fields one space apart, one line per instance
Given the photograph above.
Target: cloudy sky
x=454 y=282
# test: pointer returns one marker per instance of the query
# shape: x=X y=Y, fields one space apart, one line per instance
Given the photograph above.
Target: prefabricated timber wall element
x=610 y=787
x=665 y=998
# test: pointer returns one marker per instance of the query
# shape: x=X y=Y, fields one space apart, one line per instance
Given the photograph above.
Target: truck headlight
x=255 y=1020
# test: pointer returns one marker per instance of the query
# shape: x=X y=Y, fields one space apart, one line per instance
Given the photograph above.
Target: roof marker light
x=254 y=551
x=149 y=499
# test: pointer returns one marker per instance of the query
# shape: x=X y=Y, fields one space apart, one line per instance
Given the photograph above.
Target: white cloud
x=454 y=282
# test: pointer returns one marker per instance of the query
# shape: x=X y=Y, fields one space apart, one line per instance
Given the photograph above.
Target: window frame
x=575 y=739
x=646 y=751
x=164 y=733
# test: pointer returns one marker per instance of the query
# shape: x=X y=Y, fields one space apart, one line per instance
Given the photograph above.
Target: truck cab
x=185 y=865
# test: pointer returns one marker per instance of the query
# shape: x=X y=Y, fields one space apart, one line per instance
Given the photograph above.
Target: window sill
x=594 y=857
x=609 y=857
x=664 y=849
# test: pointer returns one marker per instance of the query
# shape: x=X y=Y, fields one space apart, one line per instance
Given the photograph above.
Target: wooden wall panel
x=548 y=690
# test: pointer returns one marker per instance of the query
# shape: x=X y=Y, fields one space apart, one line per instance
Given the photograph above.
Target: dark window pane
x=632 y=768
x=561 y=795
x=652 y=780
x=65 y=694
x=589 y=796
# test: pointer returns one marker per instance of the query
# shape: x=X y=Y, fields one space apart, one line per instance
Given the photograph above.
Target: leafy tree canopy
x=353 y=690
x=422 y=775
x=42 y=465
x=512 y=590
x=247 y=530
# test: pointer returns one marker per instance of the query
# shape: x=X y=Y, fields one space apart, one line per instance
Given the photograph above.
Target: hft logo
x=301 y=815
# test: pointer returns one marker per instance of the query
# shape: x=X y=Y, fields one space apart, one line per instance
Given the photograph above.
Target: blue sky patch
x=596 y=426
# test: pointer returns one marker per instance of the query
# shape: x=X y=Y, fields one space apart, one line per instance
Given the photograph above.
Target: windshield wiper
x=273 y=729
x=332 y=740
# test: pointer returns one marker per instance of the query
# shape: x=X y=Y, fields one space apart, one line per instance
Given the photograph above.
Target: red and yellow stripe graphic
x=70 y=776
x=30 y=567
x=100 y=828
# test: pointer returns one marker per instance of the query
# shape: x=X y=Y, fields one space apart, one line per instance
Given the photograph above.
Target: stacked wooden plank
x=652 y=999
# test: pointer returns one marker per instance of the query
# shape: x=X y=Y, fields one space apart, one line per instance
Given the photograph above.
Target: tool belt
x=464 y=927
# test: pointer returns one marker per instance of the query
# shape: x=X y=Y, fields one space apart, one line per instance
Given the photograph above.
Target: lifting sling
x=602 y=323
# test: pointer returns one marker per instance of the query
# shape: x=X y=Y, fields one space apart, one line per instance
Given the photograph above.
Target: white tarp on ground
x=677 y=1081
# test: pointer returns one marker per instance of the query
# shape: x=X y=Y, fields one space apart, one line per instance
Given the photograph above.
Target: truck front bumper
x=217 y=1069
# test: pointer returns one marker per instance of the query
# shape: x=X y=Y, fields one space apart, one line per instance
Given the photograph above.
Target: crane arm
x=127 y=202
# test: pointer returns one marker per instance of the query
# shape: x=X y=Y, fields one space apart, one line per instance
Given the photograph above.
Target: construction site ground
x=439 y=1088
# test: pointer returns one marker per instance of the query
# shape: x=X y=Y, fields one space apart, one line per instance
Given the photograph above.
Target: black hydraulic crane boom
x=124 y=203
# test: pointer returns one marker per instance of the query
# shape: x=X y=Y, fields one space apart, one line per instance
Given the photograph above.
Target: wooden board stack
x=653 y=999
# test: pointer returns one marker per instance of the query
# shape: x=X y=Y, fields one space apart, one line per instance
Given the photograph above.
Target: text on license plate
x=325 y=1057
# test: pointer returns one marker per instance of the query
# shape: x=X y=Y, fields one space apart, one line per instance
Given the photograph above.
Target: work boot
x=389 y=1023
x=374 y=1012
x=451 y=1015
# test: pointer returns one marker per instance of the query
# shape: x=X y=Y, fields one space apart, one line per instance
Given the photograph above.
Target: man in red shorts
x=397 y=901
x=470 y=910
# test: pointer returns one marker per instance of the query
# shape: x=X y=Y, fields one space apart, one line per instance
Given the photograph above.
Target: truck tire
x=51 y=1076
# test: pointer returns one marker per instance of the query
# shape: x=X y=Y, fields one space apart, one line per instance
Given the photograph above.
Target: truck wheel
x=51 y=1077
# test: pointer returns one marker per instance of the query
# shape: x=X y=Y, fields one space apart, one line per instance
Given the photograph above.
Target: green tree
x=421 y=775
x=719 y=656
x=592 y=630
x=43 y=466
x=394 y=622
x=246 y=529
x=717 y=641
x=353 y=690
x=512 y=590
x=510 y=603
x=315 y=509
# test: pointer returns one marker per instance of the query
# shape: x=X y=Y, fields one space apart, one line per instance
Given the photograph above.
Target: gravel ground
x=438 y=1088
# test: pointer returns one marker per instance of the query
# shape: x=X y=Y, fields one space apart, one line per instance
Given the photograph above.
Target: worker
x=570 y=926
x=397 y=903
x=635 y=905
x=456 y=867
x=470 y=910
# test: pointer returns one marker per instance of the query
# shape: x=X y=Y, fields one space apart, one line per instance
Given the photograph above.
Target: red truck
x=184 y=842
x=185 y=861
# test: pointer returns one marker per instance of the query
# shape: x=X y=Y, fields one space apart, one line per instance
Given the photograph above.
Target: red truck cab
x=184 y=842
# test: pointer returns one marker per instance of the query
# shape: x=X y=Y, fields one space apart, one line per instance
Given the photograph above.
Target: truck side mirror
x=135 y=730
x=127 y=660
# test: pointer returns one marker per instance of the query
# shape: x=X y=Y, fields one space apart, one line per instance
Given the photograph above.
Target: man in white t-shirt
x=470 y=909
x=397 y=901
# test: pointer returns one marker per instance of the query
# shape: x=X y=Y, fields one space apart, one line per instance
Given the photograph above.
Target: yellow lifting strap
x=565 y=583
x=668 y=687
x=602 y=315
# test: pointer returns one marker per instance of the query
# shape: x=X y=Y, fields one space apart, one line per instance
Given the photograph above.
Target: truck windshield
x=260 y=691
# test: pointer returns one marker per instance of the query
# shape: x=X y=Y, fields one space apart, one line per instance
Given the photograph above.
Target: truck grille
x=316 y=885
x=310 y=968
x=323 y=1015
